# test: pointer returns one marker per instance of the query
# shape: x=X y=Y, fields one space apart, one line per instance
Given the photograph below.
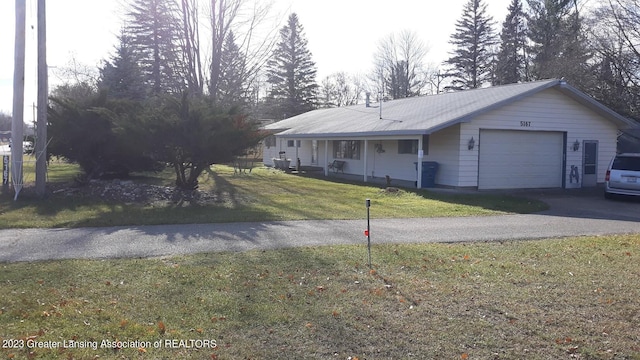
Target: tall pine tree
x=154 y=31
x=511 y=66
x=292 y=73
x=558 y=47
x=231 y=88
x=122 y=77
x=473 y=40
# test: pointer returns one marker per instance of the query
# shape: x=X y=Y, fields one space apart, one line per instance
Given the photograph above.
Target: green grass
x=263 y=195
x=547 y=299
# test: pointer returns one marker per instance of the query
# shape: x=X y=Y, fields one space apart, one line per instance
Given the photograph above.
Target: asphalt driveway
x=588 y=203
x=571 y=213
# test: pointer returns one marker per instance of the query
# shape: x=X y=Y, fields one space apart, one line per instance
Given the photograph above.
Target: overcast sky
x=342 y=34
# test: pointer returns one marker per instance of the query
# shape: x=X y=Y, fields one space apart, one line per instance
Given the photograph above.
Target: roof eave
x=363 y=134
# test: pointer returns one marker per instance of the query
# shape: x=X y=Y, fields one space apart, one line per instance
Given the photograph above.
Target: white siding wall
x=549 y=110
x=397 y=166
x=444 y=149
x=268 y=153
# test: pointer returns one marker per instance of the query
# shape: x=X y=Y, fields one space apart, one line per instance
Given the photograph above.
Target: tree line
x=186 y=81
x=592 y=45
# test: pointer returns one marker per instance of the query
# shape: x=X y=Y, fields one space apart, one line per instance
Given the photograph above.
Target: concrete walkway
x=164 y=240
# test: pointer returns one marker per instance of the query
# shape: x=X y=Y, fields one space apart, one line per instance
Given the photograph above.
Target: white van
x=623 y=176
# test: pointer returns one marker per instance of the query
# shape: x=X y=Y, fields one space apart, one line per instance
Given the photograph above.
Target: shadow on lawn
x=502 y=202
x=76 y=210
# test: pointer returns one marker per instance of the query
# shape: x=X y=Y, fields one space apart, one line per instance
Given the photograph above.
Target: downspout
x=295 y=143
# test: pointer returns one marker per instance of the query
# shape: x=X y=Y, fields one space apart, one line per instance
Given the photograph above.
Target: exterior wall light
x=576 y=145
x=471 y=144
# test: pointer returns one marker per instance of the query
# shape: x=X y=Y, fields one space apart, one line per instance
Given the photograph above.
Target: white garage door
x=520 y=159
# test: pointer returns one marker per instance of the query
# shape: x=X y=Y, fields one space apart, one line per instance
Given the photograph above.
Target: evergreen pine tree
x=154 y=33
x=232 y=73
x=122 y=77
x=511 y=62
x=292 y=73
x=558 y=46
x=472 y=60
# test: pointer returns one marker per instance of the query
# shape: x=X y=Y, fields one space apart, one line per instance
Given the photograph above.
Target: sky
x=342 y=35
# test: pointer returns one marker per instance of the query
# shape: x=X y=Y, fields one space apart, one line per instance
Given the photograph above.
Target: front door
x=589 y=163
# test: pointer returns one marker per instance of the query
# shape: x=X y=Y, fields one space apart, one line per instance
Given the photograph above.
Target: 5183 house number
x=525 y=123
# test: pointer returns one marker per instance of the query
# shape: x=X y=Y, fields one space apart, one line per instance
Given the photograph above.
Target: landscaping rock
x=129 y=192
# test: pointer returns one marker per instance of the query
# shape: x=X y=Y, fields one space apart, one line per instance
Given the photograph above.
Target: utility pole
x=43 y=104
x=17 y=122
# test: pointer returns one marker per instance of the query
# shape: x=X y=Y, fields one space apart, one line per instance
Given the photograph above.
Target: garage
x=513 y=159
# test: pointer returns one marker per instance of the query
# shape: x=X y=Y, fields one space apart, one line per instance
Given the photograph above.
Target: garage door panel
x=520 y=159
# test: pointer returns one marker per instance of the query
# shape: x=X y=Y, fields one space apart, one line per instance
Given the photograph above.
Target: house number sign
x=525 y=123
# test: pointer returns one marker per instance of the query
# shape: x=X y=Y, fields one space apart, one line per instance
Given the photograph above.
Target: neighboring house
x=544 y=134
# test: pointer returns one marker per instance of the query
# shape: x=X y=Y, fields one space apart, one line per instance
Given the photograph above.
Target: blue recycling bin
x=429 y=171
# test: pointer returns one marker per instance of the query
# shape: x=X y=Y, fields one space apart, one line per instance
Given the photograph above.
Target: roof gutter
x=352 y=135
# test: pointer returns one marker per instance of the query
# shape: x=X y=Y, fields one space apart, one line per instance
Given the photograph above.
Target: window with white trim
x=411 y=146
x=346 y=149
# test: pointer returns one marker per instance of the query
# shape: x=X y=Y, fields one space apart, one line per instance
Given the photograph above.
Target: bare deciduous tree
x=615 y=35
x=399 y=64
x=190 y=43
x=341 y=89
x=248 y=20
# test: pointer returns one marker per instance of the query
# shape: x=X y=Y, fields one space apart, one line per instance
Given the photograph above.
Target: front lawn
x=263 y=195
x=575 y=298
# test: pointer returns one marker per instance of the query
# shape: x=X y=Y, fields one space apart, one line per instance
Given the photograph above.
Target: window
x=408 y=147
x=346 y=149
x=291 y=142
x=411 y=146
x=626 y=163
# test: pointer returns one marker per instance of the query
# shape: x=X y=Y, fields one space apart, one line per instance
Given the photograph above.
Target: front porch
x=363 y=159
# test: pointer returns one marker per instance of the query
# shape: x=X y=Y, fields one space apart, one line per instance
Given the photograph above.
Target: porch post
x=419 y=167
x=326 y=158
x=366 y=143
x=295 y=143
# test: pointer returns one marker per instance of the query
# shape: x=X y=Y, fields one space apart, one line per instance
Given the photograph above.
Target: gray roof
x=425 y=114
